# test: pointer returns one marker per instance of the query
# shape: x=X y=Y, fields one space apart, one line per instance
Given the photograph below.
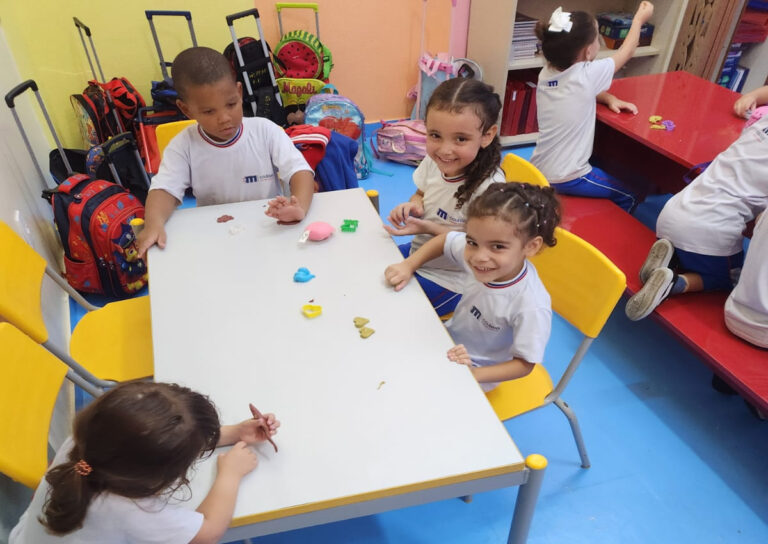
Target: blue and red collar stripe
x=214 y=143
x=513 y=281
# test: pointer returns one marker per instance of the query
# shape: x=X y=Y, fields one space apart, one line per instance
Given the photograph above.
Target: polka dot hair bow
x=560 y=21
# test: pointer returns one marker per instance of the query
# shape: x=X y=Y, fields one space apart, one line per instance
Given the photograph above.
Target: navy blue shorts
x=443 y=300
x=598 y=184
x=715 y=272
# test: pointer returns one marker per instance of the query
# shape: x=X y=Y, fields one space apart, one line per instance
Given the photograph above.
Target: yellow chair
x=584 y=286
x=30 y=379
x=109 y=344
x=164 y=133
x=520 y=170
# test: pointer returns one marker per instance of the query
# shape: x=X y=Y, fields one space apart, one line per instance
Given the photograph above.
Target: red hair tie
x=83 y=468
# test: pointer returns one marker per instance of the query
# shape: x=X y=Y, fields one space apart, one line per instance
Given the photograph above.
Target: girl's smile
x=495 y=252
x=455 y=138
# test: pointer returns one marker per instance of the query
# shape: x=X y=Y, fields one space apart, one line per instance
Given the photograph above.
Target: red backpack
x=93 y=220
x=96 y=118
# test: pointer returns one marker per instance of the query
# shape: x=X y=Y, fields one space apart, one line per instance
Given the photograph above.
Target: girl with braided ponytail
x=116 y=478
x=463 y=156
x=502 y=323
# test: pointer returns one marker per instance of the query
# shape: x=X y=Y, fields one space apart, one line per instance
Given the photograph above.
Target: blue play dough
x=302 y=275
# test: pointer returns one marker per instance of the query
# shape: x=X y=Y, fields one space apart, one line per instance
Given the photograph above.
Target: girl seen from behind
x=463 y=156
x=115 y=478
x=569 y=85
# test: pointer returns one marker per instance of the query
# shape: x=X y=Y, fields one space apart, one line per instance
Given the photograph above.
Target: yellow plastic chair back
x=30 y=380
x=584 y=284
x=164 y=133
x=21 y=277
x=520 y=170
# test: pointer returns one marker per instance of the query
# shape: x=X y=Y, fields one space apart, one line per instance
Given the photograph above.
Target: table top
x=361 y=418
x=702 y=112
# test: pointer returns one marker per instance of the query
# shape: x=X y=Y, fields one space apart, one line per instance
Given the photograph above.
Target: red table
x=653 y=160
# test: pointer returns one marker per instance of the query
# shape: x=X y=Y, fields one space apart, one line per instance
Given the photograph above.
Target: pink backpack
x=401 y=141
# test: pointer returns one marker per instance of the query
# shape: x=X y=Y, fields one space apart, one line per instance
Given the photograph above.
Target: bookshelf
x=491 y=29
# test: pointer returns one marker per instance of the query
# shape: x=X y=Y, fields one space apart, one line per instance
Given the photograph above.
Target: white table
x=368 y=425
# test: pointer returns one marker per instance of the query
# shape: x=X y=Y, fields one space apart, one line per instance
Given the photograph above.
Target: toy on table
x=350 y=225
x=224 y=218
x=319 y=230
x=755 y=115
x=311 y=311
x=360 y=323
x=302 y=275
x=659 y=123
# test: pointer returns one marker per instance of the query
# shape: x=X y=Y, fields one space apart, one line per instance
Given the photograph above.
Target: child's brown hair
x=561 y=48
x=199 y=66
x=136 y=440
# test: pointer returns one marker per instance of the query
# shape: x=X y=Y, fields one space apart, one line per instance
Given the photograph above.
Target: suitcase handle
x=151 y=13
x=241 y=15
x=79 y=24
x=18 y=89
x=297 y=5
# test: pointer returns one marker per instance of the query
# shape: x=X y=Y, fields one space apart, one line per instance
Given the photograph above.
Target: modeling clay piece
x=317 y=231
x=380 y=384
x=659 y=127
x=303 y=275
x=350 y=225
x=365 y=332
x=360 y=321
x=311 y=311
x=236 y=229
x=263 y=424
x=224 y=218
x=669 y=125
x=655 y=119
x=752 y=117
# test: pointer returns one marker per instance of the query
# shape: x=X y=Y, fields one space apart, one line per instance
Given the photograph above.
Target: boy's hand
x=149 y=236
x=251 y=431
x=238 y=461
x=644 y=12
x=398 y=275
x=412 y=225
x=616 y=105
x=459 y=354
x=744 y=105
x=286 y=210
x=401 y=212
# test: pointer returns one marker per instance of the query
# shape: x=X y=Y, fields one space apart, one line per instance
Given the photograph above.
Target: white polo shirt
x=246 y=168
x=709 y=215
x=499 y=322
x=566 y=109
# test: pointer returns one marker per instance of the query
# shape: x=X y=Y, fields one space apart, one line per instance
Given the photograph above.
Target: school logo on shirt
x=454 y=219
x=479 y=316
x=552 y=83
x=255 y=179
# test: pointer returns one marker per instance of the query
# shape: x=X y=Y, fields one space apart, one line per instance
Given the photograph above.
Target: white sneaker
x=655 y=290
x=658 y=257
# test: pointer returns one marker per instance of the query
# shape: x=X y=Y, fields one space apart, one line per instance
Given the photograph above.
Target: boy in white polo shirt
x=702 y=225
x=223 y=158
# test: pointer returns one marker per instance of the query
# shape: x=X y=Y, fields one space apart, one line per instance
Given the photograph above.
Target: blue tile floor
x=673 y=461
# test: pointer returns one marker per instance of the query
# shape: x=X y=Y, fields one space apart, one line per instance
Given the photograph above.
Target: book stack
x=519 y=114
x=525 y=44
x=733 y=75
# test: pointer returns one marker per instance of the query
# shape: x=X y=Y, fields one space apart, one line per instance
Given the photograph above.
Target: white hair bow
x=560 y=21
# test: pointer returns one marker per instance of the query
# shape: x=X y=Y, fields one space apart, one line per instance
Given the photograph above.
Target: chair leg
x=571 y=415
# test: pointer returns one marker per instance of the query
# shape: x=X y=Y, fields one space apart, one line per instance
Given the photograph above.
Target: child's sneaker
x=658 y=257
x=655 y=290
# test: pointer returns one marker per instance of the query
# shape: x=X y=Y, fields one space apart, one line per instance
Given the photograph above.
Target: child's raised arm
x=398 y=275
x=750 y=101
x=627 y=49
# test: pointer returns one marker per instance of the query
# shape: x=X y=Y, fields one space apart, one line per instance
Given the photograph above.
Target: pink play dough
x=319 y=230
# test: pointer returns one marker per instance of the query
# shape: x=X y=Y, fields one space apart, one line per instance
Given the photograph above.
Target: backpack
x=256 y=65
x=93 y=218
x=401 y=141
x=96 y=120
x=300 y=54
x=338 y=113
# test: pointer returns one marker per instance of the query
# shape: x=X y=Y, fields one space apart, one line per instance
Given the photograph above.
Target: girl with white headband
x=565 y=97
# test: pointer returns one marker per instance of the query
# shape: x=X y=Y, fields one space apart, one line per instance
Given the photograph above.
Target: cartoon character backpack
x=93 y=221
x=338 y=113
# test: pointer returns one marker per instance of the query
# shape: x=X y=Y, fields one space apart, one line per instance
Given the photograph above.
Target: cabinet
x=491 y=26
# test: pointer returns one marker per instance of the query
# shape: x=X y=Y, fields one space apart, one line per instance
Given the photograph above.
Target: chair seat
x=115 y=342
x=515 y=397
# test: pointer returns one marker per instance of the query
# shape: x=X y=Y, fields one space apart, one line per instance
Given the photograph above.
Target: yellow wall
x=375 y=44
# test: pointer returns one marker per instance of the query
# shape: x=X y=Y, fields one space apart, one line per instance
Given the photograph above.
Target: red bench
x=696 y=319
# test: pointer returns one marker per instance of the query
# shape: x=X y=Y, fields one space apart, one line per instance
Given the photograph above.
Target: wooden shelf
x=538 y=60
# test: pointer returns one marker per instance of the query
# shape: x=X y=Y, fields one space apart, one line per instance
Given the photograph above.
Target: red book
x=523 y=117
x=531 y=123
x=512 y=107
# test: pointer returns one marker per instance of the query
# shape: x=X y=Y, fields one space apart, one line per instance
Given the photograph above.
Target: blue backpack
x=339 y=114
